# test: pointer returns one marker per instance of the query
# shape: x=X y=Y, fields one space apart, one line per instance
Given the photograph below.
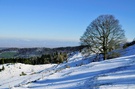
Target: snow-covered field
x=77 y=73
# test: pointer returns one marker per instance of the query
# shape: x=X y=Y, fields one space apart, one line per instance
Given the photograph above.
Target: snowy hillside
x=76 y=73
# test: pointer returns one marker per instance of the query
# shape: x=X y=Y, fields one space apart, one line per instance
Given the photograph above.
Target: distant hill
x=33 y=52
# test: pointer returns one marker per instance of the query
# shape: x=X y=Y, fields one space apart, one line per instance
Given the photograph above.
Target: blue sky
x=57 y=22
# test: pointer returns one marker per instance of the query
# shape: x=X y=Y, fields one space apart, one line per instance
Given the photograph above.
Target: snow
x=78 y=72
x=11 y=75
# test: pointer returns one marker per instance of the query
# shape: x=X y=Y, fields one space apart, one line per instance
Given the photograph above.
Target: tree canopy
x=103 y=35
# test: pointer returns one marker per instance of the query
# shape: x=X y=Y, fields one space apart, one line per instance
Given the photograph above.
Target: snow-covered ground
x=11 y=76
x=76 y=73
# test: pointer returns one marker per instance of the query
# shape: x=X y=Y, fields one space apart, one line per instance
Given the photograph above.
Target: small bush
x=22 y=74
x=67 y=66
x=3 y=68
x=81 y=64
x=113 y=55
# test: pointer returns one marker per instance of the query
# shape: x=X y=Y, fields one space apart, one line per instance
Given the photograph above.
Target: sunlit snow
x=77 y=73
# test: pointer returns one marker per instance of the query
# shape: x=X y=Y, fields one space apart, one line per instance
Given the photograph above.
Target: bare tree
x=103 y=35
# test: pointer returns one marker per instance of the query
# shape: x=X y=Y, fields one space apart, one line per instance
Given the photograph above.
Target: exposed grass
x=7 y=54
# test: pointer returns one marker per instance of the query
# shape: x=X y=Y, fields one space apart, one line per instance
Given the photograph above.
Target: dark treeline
x=30 y=52
x=56 y=57
x=129 y=44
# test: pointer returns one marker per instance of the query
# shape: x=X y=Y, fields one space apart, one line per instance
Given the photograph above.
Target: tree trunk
x=105 y=56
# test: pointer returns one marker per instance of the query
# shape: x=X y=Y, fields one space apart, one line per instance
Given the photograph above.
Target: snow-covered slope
x=76 y=73
x=12 y=75
x=129 y=51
